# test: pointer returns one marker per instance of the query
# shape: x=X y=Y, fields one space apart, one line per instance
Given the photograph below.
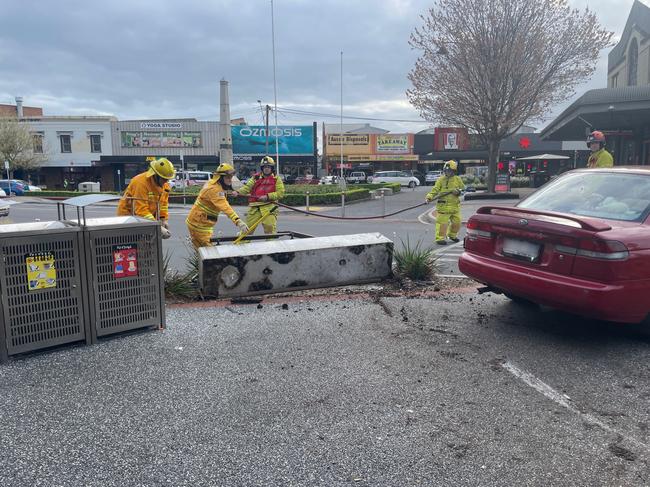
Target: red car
x=580 y=244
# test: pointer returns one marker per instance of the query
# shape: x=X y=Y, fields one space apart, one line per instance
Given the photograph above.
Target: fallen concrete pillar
x=288 y=265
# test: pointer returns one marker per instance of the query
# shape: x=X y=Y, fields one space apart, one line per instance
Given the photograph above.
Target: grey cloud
x=164 y=58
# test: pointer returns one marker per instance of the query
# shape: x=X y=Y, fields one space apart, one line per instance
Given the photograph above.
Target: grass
x=415 y=262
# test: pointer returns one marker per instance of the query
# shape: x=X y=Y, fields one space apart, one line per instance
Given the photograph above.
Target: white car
x=29 y=187
x=432 y=176
x=328 y=180
x=394 y=177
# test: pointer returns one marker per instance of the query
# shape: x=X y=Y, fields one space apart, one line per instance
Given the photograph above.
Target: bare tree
x=17 y=145
x=492 y=65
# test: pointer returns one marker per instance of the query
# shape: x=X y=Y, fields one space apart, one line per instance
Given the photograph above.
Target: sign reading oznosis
x=161 y=125
x=292 y=140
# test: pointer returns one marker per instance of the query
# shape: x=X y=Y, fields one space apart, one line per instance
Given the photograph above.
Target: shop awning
x=458 y=155
x=542 y=156
x=608 y=109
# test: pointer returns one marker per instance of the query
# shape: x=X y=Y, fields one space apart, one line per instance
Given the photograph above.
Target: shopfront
x=187 y=143
x=293 y=146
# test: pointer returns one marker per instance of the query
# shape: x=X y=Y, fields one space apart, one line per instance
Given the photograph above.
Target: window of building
x=614 y=81
x=66 y=145
x=632 y=63
x=38 y=143
x=95 y=143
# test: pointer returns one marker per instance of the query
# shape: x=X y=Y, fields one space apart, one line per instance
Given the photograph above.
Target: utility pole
x=268 y=109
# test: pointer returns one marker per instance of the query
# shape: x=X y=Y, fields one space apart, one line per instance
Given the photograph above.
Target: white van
x=190 y=178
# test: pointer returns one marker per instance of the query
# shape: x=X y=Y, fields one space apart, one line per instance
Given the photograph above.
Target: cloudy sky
x=164 y=58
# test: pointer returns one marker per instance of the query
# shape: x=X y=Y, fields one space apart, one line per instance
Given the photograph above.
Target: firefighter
x=147 y=195
x=210 y=202
x=448 y=189
x=599 y=156
x=263 y=189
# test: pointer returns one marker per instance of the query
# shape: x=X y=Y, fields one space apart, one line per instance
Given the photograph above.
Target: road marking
x=566 y=402
x=447 y=248
x=455 y=276
x=422 y=218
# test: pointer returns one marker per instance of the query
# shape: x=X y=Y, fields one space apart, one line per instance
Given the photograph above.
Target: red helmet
x=596 y=136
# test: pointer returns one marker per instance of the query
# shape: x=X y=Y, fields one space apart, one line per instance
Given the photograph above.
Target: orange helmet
x=596 y=136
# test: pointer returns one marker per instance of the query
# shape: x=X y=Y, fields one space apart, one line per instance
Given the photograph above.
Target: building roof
x=601 y=109
x=639 y=18
x=353 y=128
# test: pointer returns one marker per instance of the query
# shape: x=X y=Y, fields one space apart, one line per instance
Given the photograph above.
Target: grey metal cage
x=121 y=304
x=35 y=318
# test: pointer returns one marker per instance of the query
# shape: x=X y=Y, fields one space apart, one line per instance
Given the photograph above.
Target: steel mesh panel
x=130 y=302
x=45 y=317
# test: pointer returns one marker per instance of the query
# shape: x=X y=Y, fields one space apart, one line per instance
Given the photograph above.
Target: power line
x=349 y=117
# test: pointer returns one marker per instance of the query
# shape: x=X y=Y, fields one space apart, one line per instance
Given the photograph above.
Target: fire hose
x=375 y=217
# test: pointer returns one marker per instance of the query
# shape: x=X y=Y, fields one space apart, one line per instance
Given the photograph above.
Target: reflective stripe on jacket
x=209 y=204
x=147 y=195
x=447 y=202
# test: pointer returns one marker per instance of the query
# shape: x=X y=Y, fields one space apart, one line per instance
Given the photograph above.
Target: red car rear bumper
x=623 y=301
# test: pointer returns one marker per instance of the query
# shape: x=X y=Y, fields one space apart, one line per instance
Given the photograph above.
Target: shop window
x=38 y=143
x=95 y=143
x=66 y=145
x=632 y=63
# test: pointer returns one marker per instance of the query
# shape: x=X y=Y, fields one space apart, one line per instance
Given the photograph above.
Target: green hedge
x=293 y=199
x=323 y=194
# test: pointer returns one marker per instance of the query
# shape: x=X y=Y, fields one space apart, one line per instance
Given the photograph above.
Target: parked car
x=394 y=177
x=12 y=187
x=289 y=179
x=417 y=174
x=2 y=193
x=579 y=244
x=329 y=180
x=29 y=187
x=307 y=179
x=190 y=178
x=4 y=209
x=356 y=177
x=431 y=177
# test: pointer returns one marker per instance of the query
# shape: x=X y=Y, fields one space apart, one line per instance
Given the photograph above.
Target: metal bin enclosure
x=131 y=296
x=41 y=281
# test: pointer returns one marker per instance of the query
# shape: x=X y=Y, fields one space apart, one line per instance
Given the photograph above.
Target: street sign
x=503 y=183
x=6 y=165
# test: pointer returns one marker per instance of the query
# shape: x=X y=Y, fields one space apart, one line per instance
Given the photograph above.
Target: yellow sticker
x=41 y=272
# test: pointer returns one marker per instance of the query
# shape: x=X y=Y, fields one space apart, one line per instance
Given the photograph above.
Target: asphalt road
x=405 y=227
x=454 y=390
x=412 y=227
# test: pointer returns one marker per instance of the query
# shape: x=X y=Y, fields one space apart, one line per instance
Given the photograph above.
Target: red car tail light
x=479 y=229
x=597 y=249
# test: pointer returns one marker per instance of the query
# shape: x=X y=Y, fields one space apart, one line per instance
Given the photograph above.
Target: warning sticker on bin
x=125 y=261
x=41 y=272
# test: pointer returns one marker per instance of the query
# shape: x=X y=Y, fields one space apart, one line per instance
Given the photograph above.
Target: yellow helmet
x=163 y=168
x=267 y=161
x=451 y=164
x=225 y=169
